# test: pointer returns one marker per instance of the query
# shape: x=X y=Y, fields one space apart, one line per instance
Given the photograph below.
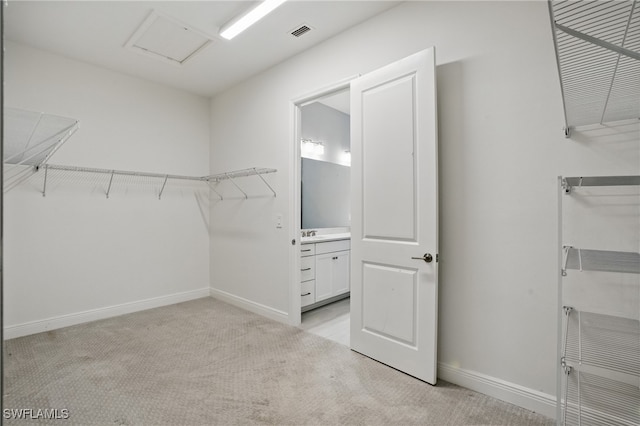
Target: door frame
x=295 y=204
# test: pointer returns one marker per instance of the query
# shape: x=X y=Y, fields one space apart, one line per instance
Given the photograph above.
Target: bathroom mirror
x=325 y=194
x=325 y=148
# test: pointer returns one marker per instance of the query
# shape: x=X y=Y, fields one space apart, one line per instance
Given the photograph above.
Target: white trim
x=33 y=327
x=324 y=91
x=527 y=398
x=251 y=306
x=295 y=315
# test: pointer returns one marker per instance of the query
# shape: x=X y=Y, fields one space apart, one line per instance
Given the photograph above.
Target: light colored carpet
x=205 y=362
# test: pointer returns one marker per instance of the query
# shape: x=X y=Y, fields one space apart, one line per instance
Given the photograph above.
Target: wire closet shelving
x=31 y=138
x=597 y=47
x=599 y=376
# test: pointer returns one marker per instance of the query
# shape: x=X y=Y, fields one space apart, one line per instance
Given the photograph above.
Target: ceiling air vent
x=300 y=30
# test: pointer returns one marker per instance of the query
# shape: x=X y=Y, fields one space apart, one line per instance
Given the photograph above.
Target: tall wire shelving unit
x=597 y=47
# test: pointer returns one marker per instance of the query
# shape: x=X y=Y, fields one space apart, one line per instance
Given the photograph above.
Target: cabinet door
x=324 y=274
x=332 y=274
x=340 y=272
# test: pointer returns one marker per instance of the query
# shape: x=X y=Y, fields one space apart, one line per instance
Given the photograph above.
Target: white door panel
x=388 y=301
x=394 y=215
x=389 y=143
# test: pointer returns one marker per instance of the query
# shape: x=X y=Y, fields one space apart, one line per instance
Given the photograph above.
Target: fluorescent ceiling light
x=237 y=26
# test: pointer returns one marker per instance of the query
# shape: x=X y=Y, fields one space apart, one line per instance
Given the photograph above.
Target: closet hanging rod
x=254 y=171
x=123 y=172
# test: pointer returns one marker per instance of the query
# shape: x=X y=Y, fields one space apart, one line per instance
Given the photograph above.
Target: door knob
x=427 y=257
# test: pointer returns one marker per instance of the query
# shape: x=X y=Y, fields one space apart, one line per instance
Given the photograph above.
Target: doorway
x=323 y=213
x=393 y=238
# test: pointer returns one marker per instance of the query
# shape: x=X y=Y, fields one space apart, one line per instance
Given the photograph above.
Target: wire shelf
x=111 y=179
x=606 y=343
x=598 y=53
x=592 y=400
x=601 y=359
x=600 y=260
x=570 y=182
x=29 y=140
x=240 y=173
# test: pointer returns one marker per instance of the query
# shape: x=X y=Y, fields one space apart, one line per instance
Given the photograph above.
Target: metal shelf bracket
x=264 y=181
x=236 y=185
x=44 y=186
x=110 y=182
x=565 y=259
x=163 y=185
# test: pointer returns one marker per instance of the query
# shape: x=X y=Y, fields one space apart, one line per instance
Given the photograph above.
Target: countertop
x=325 y=237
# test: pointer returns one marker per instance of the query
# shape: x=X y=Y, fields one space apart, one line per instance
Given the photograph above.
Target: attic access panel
x=165 y=38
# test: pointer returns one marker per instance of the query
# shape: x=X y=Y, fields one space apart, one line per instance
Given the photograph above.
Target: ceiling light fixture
x=236 y=26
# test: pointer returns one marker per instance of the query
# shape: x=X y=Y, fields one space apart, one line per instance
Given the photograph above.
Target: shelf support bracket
x=601 y=43
x=580 y=259
x=163 y=185
x=565 y=259
x=216 y=192
x=44 y=186
x=236 y=185
x=265 y=182
x=110 y=182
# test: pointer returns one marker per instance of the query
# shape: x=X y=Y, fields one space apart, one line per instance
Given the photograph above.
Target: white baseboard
x=251 y=306
x=39 y=326
x=530 y=399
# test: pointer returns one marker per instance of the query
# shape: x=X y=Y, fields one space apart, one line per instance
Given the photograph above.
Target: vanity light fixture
x=238 y=25
x=346 y=157
x=311 y=147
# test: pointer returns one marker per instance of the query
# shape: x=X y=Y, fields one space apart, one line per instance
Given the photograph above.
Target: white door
x=394 y=216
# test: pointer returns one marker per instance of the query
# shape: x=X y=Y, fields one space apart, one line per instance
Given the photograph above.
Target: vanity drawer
x=307 y=293
x=307 y=268
x=307 y=250
x=332 y=246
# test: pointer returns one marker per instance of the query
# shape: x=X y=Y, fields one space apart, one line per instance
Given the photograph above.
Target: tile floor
x=330 y=321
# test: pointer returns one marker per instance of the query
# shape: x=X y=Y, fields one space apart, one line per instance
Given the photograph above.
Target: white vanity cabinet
x=332 y=274
x=307 y=275
x=324 y=271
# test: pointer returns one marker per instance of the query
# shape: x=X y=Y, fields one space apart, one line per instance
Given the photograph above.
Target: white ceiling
x=97 y=31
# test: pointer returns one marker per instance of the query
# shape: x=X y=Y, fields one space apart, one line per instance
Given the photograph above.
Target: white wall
x=501 y=149
x=75 y=255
